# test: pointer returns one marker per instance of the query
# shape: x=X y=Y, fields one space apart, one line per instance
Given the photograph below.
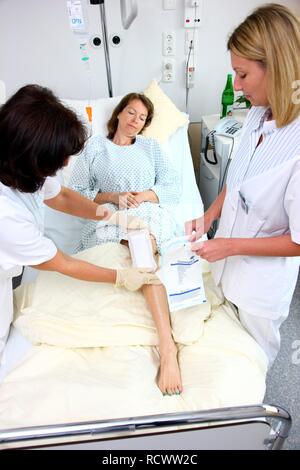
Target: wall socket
x=168 y=70
x=169 y=43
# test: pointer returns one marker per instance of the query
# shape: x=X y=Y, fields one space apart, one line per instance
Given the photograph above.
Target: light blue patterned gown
x=104 y=166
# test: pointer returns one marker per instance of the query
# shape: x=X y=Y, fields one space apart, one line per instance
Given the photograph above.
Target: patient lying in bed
x=95 y=352
x=129 y=172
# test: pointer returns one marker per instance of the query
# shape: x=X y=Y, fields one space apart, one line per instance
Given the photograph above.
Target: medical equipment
x=181 y=273
x=190 y=66
x=141 y=249
x=227 y=127
x=193 y=13
x=219 y=141
x=128 y=14
x=79 y=25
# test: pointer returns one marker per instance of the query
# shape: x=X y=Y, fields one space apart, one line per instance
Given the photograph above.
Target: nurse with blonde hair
x=254 y=253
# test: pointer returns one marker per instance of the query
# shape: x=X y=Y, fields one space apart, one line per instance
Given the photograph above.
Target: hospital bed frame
x=256 y=427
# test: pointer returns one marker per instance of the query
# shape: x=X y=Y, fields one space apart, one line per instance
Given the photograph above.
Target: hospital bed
x=53 y=395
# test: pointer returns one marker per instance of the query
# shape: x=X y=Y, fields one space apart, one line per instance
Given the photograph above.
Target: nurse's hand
x=197 y=227
x=103 y=213
x=134 y=278
x=213 y=250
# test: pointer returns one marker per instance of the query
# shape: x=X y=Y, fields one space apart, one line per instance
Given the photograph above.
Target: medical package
x=141 y=249
x=181 y=273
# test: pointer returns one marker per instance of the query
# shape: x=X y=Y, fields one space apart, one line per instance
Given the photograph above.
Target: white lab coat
x=266 y=205
x=21 y=241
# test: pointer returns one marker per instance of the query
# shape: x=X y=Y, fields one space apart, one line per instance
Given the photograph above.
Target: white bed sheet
x=62 y=385
x=16 y=349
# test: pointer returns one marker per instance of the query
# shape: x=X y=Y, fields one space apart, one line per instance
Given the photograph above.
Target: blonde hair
x=271 y=36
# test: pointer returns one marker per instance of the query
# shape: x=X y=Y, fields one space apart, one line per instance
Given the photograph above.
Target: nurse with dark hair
x=37 y=137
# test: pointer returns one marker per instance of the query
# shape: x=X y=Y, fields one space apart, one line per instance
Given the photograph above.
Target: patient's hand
x=134 y=278
x=103 y=213
x=125 y=200
x=139 y=197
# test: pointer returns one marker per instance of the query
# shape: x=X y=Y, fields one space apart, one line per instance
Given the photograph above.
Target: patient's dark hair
x=37 y=135
x=112 y=124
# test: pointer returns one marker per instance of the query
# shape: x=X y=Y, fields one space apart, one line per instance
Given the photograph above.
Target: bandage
x=140 y=247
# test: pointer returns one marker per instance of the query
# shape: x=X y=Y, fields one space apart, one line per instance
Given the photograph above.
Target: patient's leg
x=169 y=376
x=169 y=380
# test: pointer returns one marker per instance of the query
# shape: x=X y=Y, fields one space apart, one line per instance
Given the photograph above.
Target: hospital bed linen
x=63 y=311
x=221 y=365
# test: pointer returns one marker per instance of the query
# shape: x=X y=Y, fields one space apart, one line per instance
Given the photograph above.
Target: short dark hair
x=37 y=135
x=112 y=124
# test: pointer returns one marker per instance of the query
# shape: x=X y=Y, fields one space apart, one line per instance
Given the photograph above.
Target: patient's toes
x=169 y=380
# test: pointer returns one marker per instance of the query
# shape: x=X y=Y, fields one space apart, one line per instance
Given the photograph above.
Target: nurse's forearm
x=105 y=198
x=214 y=211
x=78 y=269
x=74 y=203
x=273 y=246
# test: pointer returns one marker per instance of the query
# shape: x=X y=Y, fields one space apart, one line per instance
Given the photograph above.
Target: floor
x=283 y=382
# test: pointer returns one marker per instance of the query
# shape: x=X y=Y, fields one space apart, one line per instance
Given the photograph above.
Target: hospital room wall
x=37 y=46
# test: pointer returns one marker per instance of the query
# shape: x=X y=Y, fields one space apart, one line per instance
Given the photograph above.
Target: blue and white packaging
x=181 y=273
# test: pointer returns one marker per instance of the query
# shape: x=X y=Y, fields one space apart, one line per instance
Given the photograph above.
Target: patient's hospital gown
x=105 y=166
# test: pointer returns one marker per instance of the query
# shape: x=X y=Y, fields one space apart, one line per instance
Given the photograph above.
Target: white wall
x=37 y=46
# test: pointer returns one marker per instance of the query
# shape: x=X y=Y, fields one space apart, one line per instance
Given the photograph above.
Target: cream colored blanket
x=98 y=358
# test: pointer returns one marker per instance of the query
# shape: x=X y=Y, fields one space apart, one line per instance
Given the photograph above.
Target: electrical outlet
x=193 y=13
x=168 y=43
x=168 y=70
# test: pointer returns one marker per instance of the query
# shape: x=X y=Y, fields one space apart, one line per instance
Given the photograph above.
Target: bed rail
x=275 y=418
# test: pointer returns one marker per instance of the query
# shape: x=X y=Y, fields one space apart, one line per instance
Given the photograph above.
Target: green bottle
x=227 y=97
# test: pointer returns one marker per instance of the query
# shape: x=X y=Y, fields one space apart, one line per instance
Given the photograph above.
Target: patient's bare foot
x=169 y=380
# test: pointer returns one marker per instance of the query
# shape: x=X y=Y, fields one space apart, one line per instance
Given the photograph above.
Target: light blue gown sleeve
x=83 y=178
x=167 y=184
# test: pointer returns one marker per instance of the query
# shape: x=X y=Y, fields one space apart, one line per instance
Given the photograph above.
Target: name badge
x=244 y=204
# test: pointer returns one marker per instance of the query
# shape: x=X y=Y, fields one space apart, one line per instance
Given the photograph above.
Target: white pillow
x=102 y=109
x=167 y=118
